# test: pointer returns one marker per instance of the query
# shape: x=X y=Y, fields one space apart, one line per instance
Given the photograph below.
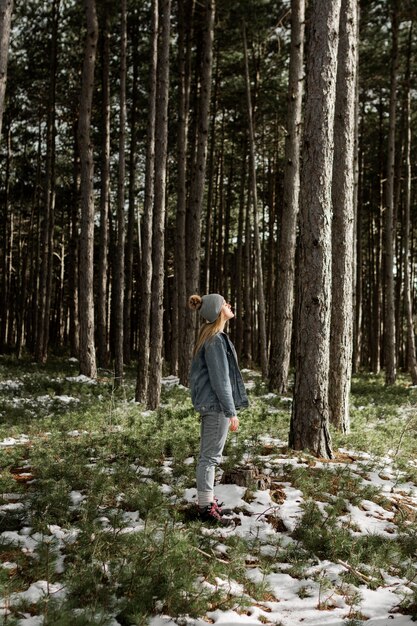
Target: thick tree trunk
x=158 y=240
x=258 y=250
x=198 y=175
x=309 y=420
x=6 y=10
x=389 y=321
x=103 y=251
x=119 y=274
x=86 y=267
x=341 y=338
x=411 y=346
x=281 y=341
x=146 y=277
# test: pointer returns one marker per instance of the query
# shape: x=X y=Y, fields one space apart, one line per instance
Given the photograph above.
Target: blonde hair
x=207 y=330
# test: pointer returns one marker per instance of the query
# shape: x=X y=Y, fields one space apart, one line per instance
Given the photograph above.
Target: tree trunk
x=103 y=251
x=309 y=420
x=239 y=258
x=158 y=240
x=6 y=9
x=73 y=256
x=47 y=224
x=86 y=267
x=281 y=341
x=119 y=274
x=185 y=15
x=341 y=337
x=411 y=346
x=389 y=322
x=146 y=277
x=198 y=175
x=258 y=250
x=131 y=225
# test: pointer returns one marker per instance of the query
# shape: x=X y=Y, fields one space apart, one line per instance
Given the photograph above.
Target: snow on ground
x=14 y=441
x=291 y=601
x=81 y=379
x=10 y=385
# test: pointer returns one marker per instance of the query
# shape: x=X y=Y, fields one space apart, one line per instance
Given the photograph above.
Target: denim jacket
x=215 y=379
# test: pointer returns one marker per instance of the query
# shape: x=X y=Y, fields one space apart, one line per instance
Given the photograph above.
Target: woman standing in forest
x=217 y=392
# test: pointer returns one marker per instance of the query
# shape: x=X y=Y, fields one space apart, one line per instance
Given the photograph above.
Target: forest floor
x=97 y=525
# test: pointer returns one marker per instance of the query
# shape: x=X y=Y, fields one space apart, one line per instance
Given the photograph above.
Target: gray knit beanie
x=211 y=306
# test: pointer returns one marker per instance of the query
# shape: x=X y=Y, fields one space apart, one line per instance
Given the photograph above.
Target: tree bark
x=86 y=268
x=73 y=256
x=389 y=322
x=131 y=226
x=119 y=275
x=158 y=240
x=341 y=338
x=411 y=346
x=146 y=277
x=6 y=10
x=47 y=224
x=258 y=250
x=309 y=420
x=281 y=341
x=198 y=175
x=185 y=15
x=103 y=251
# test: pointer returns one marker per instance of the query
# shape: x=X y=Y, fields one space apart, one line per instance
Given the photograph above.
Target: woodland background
x=150 y=150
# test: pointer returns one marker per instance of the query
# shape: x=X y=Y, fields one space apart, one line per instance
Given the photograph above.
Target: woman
x=217 y=392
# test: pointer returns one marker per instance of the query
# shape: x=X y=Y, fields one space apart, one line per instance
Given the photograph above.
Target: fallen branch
x=355 y=572
x=211 y=556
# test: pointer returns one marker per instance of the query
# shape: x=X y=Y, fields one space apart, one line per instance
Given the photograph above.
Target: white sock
x=205 y=498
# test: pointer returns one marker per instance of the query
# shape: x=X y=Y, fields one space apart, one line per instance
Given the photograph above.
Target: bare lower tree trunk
x=411 y=346
x=6 y=9
x=119 y=275
x=47 y=224
x=158 y=240
x=102 y=325
x=73 y=255
x=258 y=250
x=146 y=277
x=281 y=341
x=389 y=322
x=86 y=271
x=198 y=175
x=185 y=13
x=309 y=421
x=341 y=338
x=131 y=224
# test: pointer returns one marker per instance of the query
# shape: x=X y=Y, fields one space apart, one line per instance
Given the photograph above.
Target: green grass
x=116 y=467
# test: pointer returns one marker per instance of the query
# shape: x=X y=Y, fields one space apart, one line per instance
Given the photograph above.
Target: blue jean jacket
x=215 y=380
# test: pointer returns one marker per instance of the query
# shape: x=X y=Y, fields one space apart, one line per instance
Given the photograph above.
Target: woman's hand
x=234 y=423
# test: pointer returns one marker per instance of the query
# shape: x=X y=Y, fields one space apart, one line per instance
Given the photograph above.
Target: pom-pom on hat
x=209 y=305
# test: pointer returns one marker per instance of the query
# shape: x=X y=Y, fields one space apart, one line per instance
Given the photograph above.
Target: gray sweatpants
x=214 y=429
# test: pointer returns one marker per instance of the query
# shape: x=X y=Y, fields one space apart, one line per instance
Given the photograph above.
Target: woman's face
x=227 y=311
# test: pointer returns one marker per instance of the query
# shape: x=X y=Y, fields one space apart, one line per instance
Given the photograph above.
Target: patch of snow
x=13 y=441
x=170 y=381
x=66 y=399
x=77 y=498
x=10 y=385
x=81 y=379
